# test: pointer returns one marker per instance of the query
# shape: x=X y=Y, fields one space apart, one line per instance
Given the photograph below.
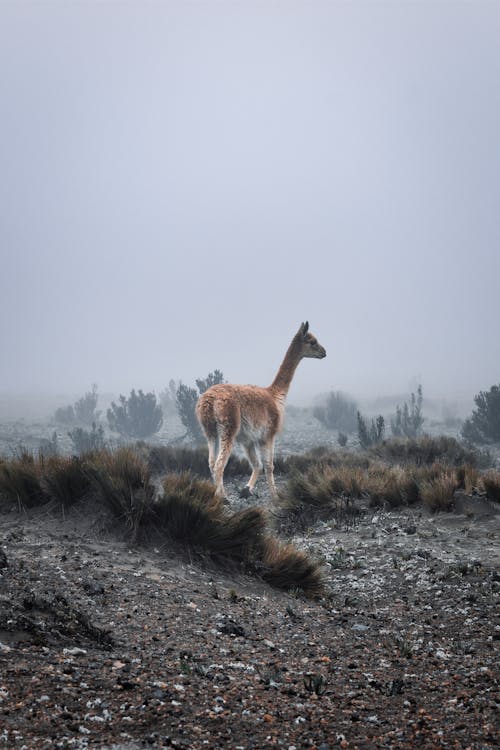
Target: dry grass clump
x=190 y=513
x=165 y=459
x=320 y=457
x=20 y=481
x=438 y=493
x=392 y=487
x=284 y=567
x=123 y=483
x=425 y=450
x=65 y=479
x=491 y=483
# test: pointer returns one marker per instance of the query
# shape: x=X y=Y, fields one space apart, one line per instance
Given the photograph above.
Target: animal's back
x=249 y=408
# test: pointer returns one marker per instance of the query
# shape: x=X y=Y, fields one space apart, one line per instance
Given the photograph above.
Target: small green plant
x=315 y=683
x=138 y=416
x=408 y=419
x=87 y=441
x=483 y=425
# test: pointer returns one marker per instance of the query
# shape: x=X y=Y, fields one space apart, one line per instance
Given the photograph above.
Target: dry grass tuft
x=165 y=459
x=491 y=483
x=438 y=493
x=123 y=483
x=287 y=568
x=65 y=479
x=20 y=482
x=425 y=450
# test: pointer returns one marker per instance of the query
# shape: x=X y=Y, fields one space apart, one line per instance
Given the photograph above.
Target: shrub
x=342 y=439
x=83 y=410
x=85 y=407
x=284 y=567
x=65 y=415
x=372 y=435
x=408 y=420
x=483 y=425
x=167 y=398
x=337 y=412
x=87 y=441
x=139 y=416
x=187 y=398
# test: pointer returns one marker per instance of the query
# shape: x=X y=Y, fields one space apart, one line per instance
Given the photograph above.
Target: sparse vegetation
x=438 y=493
x=337 y=411
x=427 y=450
x=408 y=419
x=82 y=411
x=138 y=416
x=163 y=459
x=483 y=426
x=372 y=435
x=86 y=441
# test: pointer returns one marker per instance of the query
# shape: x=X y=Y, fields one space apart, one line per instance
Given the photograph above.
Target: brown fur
x=251 y=414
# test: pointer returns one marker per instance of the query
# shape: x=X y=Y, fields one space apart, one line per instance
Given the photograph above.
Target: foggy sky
x=181 y=184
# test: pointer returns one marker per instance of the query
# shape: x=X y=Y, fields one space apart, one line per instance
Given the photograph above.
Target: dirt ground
x=107 y=646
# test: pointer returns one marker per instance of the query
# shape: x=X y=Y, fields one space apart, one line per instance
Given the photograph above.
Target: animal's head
x=310 y=346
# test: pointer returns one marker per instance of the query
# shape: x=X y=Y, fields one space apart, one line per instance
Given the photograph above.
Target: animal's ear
x=304 y=328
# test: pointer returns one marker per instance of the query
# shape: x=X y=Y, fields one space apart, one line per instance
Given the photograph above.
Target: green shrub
x=372 y=435
x=337 y=412
x=408 y=419
x=138 y=416
x=87 y=441
x=483 y=425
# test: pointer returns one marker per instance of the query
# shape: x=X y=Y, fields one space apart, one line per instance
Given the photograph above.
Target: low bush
x=87 y=441
x=138 y=416
x=337 y=411
x=483 y=425
x=408 y=419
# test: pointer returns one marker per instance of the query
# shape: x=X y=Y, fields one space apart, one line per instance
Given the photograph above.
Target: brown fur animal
x=251 y=415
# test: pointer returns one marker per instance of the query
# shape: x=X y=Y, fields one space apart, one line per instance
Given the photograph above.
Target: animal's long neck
x=284 y=376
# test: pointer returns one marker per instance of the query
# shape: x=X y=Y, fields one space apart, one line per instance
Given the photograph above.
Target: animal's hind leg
x=226 y=441
x=212 y=453
x=256 y=464
x=269 y=467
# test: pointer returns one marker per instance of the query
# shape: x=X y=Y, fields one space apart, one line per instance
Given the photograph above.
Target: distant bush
x=168 y=398
x=337 y=412
x=342 y=439
x=138 y=416
x=85 y=407
x=408 y=419
x=83 y=411
x=373 y=434
x=187 y=398
x=86 y=441
x=483 y=425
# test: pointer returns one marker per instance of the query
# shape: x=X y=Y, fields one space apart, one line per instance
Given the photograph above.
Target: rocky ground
x=103 y=645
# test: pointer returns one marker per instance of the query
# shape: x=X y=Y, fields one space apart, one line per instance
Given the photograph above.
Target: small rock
x=410 y=529
x=360 y=628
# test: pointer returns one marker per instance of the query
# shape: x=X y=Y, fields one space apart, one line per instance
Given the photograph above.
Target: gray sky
x=181 y=184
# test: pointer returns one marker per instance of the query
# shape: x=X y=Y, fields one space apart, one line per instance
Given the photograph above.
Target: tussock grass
x=123 y=483
x=65 y=480
x=164 y=459
x=491 y=483
x=426 y=450
x=20 y=482
x=438 y=493
x=285 y=567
